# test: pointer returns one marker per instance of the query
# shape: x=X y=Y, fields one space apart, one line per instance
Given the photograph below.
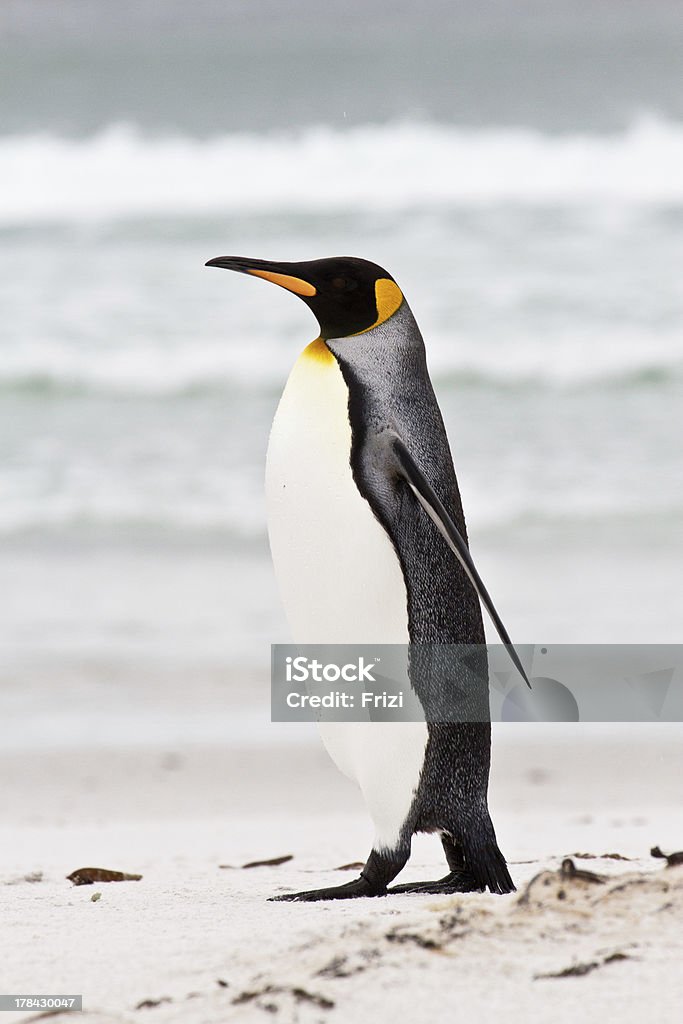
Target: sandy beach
x=197 y=941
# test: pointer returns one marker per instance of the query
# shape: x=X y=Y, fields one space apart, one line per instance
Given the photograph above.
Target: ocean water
x=519 y=170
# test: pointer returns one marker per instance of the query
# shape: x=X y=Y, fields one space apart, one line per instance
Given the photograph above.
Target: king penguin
x=369 y=545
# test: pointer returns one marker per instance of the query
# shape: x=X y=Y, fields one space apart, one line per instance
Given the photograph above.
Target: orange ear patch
x=388 y=298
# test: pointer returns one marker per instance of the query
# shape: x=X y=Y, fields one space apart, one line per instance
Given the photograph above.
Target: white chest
x=338 y=574
x=337 y=571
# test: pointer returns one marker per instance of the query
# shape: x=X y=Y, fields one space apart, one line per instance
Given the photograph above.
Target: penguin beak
x=277 y=273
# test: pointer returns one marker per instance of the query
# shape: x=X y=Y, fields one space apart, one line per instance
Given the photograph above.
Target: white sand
x=189 y=924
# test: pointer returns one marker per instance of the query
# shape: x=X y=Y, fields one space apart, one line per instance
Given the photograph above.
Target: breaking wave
x=121 y=173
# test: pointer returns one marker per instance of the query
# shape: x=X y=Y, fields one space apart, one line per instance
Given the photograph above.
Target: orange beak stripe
x=292 y=284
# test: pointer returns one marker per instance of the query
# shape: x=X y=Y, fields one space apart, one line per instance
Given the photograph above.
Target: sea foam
x=119 y=172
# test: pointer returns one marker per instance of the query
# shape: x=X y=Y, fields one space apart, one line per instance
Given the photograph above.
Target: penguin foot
x=349 y=891
x=456 y=881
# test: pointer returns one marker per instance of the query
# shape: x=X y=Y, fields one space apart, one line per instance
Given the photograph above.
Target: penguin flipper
x=437 y=512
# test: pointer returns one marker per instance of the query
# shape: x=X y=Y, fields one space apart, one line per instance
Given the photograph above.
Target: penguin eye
x=344 y=284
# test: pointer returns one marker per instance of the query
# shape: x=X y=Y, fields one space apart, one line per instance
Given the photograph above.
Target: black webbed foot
x=380 y=869
x=455 y=881
x=349 y=891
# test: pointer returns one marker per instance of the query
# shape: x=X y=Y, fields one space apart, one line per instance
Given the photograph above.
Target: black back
x=390 y=393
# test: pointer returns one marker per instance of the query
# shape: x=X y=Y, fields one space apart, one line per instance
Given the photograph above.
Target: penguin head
x=348 y=296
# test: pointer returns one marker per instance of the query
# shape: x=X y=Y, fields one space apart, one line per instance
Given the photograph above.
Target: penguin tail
x=488 y=865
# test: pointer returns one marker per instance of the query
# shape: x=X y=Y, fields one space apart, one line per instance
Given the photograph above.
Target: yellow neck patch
x=388 y=297
x=318 y=352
